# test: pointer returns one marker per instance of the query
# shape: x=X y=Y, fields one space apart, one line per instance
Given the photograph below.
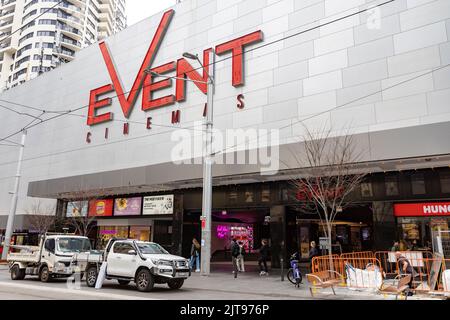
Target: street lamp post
x=13 y=207
x=207 y=175
x=207 y=163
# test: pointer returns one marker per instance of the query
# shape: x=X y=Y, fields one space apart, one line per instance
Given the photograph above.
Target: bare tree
x=41 y=218
x=329 y=178
x=79 y=218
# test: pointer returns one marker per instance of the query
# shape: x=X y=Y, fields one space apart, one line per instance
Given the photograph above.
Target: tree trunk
x=330 y=251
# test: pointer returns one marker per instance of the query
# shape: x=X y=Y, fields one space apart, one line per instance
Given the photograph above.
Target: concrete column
x=177 y=225
x=278 y=234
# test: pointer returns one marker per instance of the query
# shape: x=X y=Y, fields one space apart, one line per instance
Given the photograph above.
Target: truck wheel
x=124 y=282
x=17 y=273
x=145 y=280
x=175 y=284
x=91 y=276
x=44 y=274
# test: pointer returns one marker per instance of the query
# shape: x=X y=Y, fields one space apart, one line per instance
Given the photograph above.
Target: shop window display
x=140 y=233
x=107 y=233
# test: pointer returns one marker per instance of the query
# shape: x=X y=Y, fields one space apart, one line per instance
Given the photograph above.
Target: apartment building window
x=49 y=10
x=28 y=15
x=28 y=36
x=418 y=184
x=29 y=5
x=46 y=33
x=47 y=21
x=44 y=45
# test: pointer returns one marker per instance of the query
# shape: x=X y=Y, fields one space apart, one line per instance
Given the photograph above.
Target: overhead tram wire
x=32 y=20
x=345 y=104
x=68 y=112
x=237 y=145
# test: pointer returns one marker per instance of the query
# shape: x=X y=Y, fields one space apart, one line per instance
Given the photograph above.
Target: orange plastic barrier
x=356 y=272
x=364 y=269
x=358 y=255
x=322 y=263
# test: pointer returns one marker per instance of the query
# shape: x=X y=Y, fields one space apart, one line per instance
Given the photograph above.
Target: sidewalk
x=272 y=287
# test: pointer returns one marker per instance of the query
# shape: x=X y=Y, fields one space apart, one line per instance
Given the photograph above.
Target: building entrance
x=247 y=226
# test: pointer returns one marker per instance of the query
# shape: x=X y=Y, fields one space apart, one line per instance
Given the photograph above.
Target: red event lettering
x=182 y=68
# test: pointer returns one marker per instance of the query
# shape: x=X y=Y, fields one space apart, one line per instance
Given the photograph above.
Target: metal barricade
x=363 y=270
x=358 y=255
x=356 y=272
x=322 y=263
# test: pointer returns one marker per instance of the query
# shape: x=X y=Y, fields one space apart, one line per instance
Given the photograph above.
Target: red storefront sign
x=427 y=209
x=101 y=208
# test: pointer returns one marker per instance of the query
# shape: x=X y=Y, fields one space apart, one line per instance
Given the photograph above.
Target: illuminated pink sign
x=222 y=232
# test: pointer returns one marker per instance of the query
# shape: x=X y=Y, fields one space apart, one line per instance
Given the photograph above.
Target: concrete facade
x=375 y=75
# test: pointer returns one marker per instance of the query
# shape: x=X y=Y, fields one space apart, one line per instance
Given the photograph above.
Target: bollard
x=282 y=269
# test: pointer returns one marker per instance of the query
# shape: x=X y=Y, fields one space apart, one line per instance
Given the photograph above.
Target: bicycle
x=294 y=275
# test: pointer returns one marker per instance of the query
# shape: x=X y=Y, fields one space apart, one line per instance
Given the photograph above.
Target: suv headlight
x=162 y=263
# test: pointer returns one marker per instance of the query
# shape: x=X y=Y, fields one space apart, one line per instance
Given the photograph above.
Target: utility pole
x=207 y=175
x=207 y=161
x=13 y=207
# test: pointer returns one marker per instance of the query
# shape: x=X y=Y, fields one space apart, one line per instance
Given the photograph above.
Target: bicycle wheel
x=290 y=276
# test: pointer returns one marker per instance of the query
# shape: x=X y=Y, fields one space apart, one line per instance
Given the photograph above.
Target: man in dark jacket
x=263 y=256
x=405 y=267
x=235 y=250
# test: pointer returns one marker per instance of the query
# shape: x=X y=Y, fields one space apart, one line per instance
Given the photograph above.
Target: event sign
x=127 y=207
x=101 y=208
x=77 y=209
x=157 y=205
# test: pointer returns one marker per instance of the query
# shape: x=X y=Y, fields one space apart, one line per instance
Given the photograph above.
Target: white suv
x=145 y=263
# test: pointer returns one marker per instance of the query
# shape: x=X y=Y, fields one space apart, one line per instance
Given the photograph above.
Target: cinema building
x=380 y=69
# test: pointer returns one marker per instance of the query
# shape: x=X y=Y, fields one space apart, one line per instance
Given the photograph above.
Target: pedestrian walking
x=240 y=258
x=405 y=267
x=234 y=256
x=195 y=255
x=263 y=256
x=313 y=252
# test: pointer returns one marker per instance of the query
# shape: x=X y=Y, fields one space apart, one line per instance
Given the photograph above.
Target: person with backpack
x=195 y=255
x=235 y=250
x=240 y=258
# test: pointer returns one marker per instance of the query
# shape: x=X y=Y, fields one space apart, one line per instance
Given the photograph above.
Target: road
x=196 y=288
x=218 y=286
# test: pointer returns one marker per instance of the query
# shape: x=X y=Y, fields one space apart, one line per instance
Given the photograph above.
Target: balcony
x=64 y=53
x=71 y=10
x=7 y=48
x=7 y=3
x=70 y=43
x=69 y=31
x=69 y=20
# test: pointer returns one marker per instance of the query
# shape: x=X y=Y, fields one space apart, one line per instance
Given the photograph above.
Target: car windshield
x=73 y=245
x=151 y=248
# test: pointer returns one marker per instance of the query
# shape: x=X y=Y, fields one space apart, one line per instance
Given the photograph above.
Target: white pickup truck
x=145 y=263
x=51 y=259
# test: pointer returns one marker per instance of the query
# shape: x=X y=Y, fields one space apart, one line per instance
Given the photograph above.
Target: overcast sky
x=138 y=10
